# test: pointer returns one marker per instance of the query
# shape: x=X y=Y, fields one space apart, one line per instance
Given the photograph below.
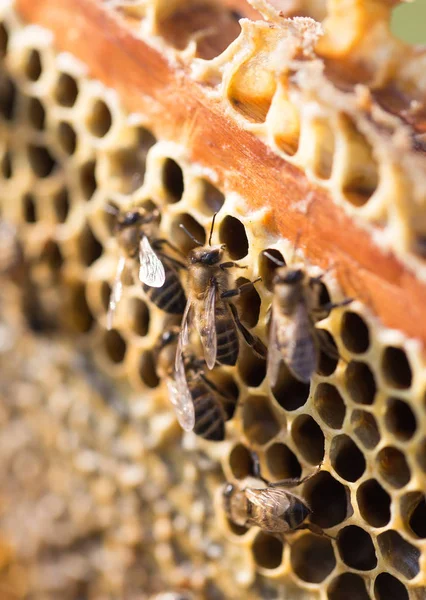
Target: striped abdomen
x=209 y=413
x=227 y=336
x=171 y=297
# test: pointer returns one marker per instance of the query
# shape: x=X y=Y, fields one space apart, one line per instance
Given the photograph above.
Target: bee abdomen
x=209 y=415
x=171 y=297
x=227 y=342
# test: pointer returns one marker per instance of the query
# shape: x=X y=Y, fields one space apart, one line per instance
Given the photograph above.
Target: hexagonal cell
x=364 y=426
x=78 y=313
x=4 y=40
x=8 y=96
x=267 y=551
x=267 y=266
x=212 y=198
x=248 y=304
x=421 y=455
x=396 y=367
x=360 y=382
x=328 y=355
x=309 y=439
x=356 y=548
x=40 y=160
x=126 y=169
x=241 y=462
x=401 y=555
x=290 y=393
x=139 y=316
x=89 y=247
x=173 y=181
x=312 y=558
x=393 y=467
x=328 y=500
x=400 y=419
x=181 y=238
x=259 y=422
x=33 y=65
x=29 y=208
x=388 y=587
x=330 y=405
x=324 y=141
x=115 y=346
x=99 y=119
x=348 y=586
x=238 y=530
x=66 y=90
x=51 y=256
x=147 y=369
x=233 y=233
x=61 y=205
x=355 y=333
x=6 y=166
x=67 y=138
x=36 y=114
x=251 y=368
x=346 y=458
x=87 y=178
x=413 y=511
x=374 y=503
x=282 y=462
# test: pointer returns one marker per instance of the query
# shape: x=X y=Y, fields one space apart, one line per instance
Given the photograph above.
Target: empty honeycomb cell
x=324 y=150
x=8 y=95
x=66 y=90
x=89 y=247
x=282 y=462
x=401 y=555
x=360 y=382
x=259 y=422
x=267 y=267
x=364 y=426
x=267 y=551
x=248 y=304
x=147 y=370
x=40 y=160
x=36 y=114
x=99 y=119
x=396 y=368
x=115 y=346
x=51 y=256
x=78 y=312
x=67 y=138
x=233 y=233
x=87 y=178
x=348 y=586
x=126 y=169
x=105 y=295
x=356 y=548
x=346 y=458
x=241 y=462
x=312 y=558
x=309 y=439
x=251 y=368
x=213 y=198
x=413 y=511
x=421 y=455
x=290 y=393
x=173 y=182
x=138 y=313
x=330 y=405
x=328 y=500
x=4 y=40
x=61 y=205
x=29 y=209
x=374 y=503
x=145 y=138
x=328 y=360
x=355 y=333
x=388 y=587
x=400 y=419
x=181 y=238
x=33 y=65
x=393 y=467
x=6 y=166
x=237 y=529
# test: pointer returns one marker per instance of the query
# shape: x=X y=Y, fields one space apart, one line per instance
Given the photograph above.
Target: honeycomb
x=102 y=494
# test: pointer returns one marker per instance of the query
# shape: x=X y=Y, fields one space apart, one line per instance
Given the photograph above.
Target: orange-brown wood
x=176 y=105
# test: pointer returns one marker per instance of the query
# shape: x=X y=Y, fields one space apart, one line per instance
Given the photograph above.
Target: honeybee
x=272 y=508
x=134 y=230
x=198 y=403
x=215 y=319
x=293 y=335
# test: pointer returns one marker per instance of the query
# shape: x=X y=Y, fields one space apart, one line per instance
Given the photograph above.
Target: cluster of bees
x=209 y=312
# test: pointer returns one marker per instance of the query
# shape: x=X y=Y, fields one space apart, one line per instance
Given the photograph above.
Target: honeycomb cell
x=348 y=586
x=312 y=558
x=238 y=530
x=267 y=267
x=290 y=393
x=413 y=511
x=330 y=405
x=267 y=551
x=323 y=160
x=282 y=462
x=66 y=90
x=355 y=333
x=309 y=439
x=79 y=315
x=29 y=208
x=99 y=119
x=259 y=422
x=173 y=182
x=4 y=40
x=241 y=462
x=401 y=555
x=374 y=503
x=67 y=138
x=87 y=178
x=365 y=427
x=252 y=368
x=33 y=65
x=388 y=587
x=396 y=368
x=147 y=370
x=248 y=304
x=89 y=247
x=6 y=166
x=181 y=238
x=126 y=169
x=400 y=419
x=105 y=295
x=328 y=355
x=360 y=382
x=8 y=96
x=421 y=455
x=115 y=346
x=328 y=500
x=393 y=467
x=356 y=548
x=232 y=233
x=36 y=114
x=138 y=315
x=40 y=160
x=213 y=198
x=145 y=138
x=346 y=458
x=52 y=257
x=61 y=205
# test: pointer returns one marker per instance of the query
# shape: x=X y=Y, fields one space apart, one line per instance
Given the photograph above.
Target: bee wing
x=151 y=270
x=183 y=338
x=116 y=292
x=181 y=398
x=209 y=337
x=300 y=352
x=274 y=353
x=275 y=500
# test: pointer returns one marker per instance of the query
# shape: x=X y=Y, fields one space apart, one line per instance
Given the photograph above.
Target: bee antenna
x=274 y=259
x=189 y=234
x=212 y=228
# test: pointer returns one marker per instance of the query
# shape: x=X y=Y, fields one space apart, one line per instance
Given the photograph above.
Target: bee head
x=137 y=216
x=289 y=276
x=206 y=255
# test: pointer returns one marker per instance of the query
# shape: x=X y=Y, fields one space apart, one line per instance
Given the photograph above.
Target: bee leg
x=253 y=341
x=316 y=529
x=256 y=467
x=230 y=264
x=294 y=482
x=245 y=287
x=329 y=306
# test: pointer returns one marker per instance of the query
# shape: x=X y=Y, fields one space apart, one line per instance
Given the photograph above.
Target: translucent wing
x=116 y=292
x=299 y=351
x=274 y=354
x=181 y=398
x=151 y=270
x=183 y=338
x=275 y=500
x=208 y=333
